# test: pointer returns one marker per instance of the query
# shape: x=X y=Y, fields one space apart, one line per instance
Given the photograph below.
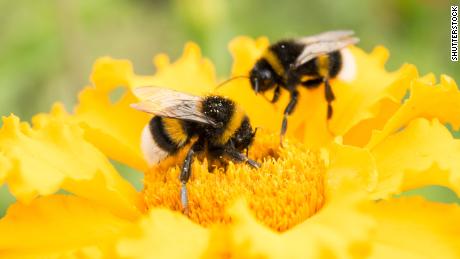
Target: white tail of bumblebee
x=152 y=152
x=349 y=67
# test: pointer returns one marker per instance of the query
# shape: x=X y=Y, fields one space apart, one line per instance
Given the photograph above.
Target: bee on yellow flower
x=221 y=127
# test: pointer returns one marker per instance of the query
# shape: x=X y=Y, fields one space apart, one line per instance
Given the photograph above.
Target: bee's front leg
x=186 y=172
x=276 y=94
x=236 y=156
x=287 y=111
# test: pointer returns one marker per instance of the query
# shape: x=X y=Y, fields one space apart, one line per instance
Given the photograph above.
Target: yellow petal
x=191 y=73
x=112 y=127
x=349 y=162
x=415 y=228
x=165 y=234
x=424 y=153
x=53 y=156
x=59 y=226
x=339 y=230
x=5 y=166
x=245 y=51
x=110 y=73
x=360 y=134
x=440 y=101
x=360 y=99
x=429 y=78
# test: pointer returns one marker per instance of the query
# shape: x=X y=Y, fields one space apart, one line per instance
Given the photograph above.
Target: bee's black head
x=244 y=136
x=262 y=76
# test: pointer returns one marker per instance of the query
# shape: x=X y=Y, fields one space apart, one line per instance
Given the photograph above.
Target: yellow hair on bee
x=307 y=77
x=175 y=131
x=323 y=65
x=234 y=123
x=273 y=60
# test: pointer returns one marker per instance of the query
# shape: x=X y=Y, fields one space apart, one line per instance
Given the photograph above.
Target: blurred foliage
x=47 y=47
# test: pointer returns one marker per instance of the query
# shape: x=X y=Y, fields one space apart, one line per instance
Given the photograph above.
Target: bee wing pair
x=171 y=104
x=324 y=43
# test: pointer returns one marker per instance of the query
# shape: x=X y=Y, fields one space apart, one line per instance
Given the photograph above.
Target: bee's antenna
x=228 y=80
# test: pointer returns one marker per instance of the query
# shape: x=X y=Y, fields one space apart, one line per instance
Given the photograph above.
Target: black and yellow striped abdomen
x=329 y=65
x=169 y=134
x=323 y=66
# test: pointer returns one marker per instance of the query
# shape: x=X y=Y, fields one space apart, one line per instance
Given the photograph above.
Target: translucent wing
x=313 y=50
x=169 y=103
x=326 y=36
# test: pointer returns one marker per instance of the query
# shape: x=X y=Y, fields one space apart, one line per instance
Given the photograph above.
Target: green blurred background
x=47 y=47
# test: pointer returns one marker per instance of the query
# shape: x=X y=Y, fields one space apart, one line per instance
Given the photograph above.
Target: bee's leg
x=287 y=111
x=186 y=172
x=236 y=156
x=329 y=94
x=276 y=94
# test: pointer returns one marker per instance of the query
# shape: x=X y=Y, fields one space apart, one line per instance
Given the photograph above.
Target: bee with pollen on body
x=218 y=124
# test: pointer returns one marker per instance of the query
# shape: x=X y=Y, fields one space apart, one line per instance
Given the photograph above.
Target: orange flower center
x=286 y=190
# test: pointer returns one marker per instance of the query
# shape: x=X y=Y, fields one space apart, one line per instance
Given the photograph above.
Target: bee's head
x=244 y=136
x=262 y=76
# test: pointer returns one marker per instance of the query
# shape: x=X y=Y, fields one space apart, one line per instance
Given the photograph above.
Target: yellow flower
x=314 y=198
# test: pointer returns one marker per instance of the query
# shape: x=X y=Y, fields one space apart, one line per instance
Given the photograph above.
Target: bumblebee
x=215 y=124
x=309 y=62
